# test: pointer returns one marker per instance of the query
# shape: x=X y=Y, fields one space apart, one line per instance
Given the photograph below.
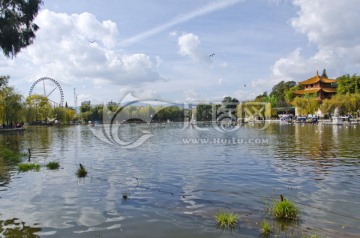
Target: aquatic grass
x=53 y=165
x=81 y=172
x=284 y=209
x=28 y=166
x=265 y=228
x=226 y=220
x=11 y=156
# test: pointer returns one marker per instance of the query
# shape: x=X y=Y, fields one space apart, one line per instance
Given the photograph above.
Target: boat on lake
x=309 y=120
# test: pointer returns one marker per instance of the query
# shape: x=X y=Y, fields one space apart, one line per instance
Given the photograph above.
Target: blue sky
x=160 y=49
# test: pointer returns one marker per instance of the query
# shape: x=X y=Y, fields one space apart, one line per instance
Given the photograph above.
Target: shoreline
x=11 y=130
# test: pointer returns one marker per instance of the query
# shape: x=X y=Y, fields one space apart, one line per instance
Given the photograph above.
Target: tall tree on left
x=17 y=29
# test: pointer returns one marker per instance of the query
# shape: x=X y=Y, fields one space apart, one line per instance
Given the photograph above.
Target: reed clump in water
x=53 y=165
x=226 y=219
x=81 y=172
x=28 y=166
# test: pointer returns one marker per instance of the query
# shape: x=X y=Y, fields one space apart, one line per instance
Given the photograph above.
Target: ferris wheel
x=50 y=88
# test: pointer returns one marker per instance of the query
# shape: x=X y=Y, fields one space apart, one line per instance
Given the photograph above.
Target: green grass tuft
x=81 y=172
x=226 y=220
x=265 y=228
x=53 y=165
x=27 y=167
x=285 y=209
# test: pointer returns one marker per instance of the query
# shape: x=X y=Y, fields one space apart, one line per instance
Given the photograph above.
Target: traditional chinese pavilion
x=322 y=86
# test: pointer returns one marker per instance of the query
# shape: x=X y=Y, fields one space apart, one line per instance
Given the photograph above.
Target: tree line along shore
x=37 y=109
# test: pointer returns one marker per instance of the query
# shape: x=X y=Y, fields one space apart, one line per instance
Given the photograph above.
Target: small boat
x=286 y=118
x=309 y=120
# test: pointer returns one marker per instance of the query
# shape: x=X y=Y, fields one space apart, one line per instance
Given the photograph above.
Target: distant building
x=322 y=86
x=85 y=103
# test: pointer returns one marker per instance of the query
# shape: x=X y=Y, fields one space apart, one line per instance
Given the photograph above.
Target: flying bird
x=212 y=55
x=91 y=41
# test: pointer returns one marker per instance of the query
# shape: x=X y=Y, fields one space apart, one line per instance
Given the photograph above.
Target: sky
x=188 y=51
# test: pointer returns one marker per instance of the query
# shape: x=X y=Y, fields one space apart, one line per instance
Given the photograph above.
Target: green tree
x=261 y=97
x=204 y=112
x=279 y=90
x=290 y=93
x=10 y=105
x=85 y=113
x=324 y=75
x=64 y=115
x=38 y=108
x=4 y=81
x=17 y=29
x=348 y=84
x=306 y=105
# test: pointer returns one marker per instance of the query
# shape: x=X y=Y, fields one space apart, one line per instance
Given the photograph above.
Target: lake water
x=175 y=183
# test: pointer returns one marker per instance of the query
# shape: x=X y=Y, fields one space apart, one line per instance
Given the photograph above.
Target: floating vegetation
x=265 y=228
x=284 y=209
x=53 y=165
x=81 y=172
x=10 y=156
x=27 y=167
x=226 y=220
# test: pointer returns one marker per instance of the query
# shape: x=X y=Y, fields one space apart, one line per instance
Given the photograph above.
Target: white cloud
x=189 y=45
x=332 y=27
x=329 y=23
x=77 y=48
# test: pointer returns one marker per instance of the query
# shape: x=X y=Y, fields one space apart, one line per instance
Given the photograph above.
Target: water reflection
x=17 y=228
x=174 y=188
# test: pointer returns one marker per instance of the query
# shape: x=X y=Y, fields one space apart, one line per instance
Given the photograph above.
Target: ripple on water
x=174 y=188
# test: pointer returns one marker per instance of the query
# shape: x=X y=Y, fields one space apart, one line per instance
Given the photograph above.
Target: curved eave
x=316 y=79
x=302 y=92
x=329 y=90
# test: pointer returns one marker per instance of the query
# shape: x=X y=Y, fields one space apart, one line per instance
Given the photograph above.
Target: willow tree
x=306 y=105
x=17 y=27
x=347 y=104
x=38 y=108
x=10 y=105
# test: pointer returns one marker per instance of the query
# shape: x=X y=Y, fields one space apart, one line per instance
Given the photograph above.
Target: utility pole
x=75 y=100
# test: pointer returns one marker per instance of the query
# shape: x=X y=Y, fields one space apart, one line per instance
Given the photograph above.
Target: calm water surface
x=174 y=187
